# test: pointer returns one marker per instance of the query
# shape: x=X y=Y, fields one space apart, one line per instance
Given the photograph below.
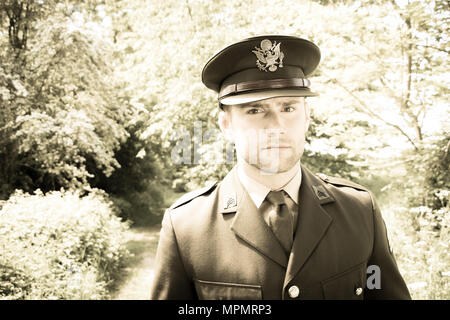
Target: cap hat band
x=262 y=85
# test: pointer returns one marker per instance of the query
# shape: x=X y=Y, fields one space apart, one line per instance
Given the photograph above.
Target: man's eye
x=288 y=109
x=254 y=111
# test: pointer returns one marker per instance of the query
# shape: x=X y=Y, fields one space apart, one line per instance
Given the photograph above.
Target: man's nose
x=274 y=121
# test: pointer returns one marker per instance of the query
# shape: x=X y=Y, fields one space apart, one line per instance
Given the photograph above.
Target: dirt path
x=135 y=283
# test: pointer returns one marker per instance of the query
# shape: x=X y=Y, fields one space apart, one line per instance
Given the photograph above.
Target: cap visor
x=266 y=94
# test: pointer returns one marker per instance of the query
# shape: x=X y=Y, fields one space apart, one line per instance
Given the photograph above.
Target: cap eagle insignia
x=269 y=56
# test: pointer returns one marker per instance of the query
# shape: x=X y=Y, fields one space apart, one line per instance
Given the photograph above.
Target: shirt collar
x=258 y=191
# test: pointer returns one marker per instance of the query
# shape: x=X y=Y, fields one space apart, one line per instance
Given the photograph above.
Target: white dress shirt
x=258 y=191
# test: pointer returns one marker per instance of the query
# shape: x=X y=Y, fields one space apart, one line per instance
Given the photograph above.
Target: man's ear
x=225 y=124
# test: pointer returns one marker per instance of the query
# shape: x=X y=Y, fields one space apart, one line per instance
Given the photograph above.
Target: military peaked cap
x=262 y=67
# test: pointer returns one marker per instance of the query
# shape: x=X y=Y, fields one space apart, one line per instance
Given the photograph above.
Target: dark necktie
x=280 y=220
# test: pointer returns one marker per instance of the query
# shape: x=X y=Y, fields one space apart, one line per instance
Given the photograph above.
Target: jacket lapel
x=313 y=222
x=248 y=223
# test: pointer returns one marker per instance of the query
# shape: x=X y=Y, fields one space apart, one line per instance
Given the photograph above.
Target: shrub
x=420 y=238
x=14 y=284
x=59 y=246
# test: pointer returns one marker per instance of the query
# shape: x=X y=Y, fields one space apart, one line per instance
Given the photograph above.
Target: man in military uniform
x=271 y=229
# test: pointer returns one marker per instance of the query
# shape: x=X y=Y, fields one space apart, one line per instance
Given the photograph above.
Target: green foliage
x=59 y=246
x=437 y=160
x=420 y=237
x=429 y=173
x=135 y=187
x=66 y=119
x=14 y=283
x=60 y=103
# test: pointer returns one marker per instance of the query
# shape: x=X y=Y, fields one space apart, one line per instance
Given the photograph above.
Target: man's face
x=268 y=134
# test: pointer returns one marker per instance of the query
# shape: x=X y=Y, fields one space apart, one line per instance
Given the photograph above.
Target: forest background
x=94 y=95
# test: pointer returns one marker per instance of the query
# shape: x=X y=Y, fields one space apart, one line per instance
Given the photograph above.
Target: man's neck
x=273 y=181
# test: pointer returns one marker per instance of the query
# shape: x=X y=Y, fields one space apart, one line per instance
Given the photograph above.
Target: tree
x=60 y=103
x=393 y=70
x=136 y=187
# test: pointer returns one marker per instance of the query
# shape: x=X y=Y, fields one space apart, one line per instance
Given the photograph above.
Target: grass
x=137 y=277
x=136 y=281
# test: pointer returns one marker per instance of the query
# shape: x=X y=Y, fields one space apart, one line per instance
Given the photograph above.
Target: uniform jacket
x=214 y=244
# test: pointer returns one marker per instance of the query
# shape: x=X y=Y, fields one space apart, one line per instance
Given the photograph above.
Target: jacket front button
x=358 y=291
x=294 y=291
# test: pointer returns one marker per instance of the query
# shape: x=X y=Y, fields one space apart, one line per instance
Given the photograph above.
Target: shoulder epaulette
x=341 y=182
x=192 y=195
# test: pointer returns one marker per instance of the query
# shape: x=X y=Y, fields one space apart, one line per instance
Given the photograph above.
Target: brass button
x=359 y=291
x=294 y=291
